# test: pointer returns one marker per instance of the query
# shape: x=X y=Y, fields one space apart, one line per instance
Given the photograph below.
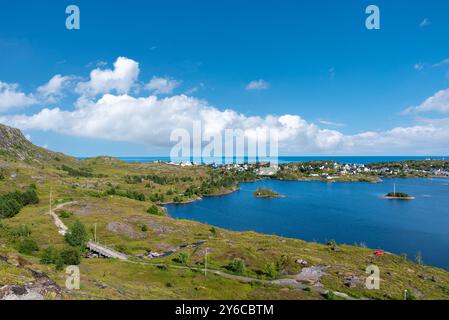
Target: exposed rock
x=311 y=275
x=302 y=263
x=125 y=230
x=14 y=144
x=38 y=289
x=352 y=281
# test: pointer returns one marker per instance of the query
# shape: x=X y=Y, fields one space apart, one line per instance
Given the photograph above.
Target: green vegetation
x=11 y=203
x=127 y=194
x=237 y=266
x=64 y=214
x=398 y=195
x=60 y=258
x=70 y=256
x=154 y=210
x=121 y=200
x=266 y=193
x=182 y=258
x=27 y=246
x=77 y=172
x=77 y=235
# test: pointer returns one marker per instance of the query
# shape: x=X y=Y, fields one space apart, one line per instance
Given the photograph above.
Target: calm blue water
x=347 y=212
x=286 y=159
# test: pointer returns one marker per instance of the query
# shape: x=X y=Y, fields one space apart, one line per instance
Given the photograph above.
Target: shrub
x=9 y=207
x=269 y=270
x=11 y=203
x=70 y=256
x=282 y=263
x=153 y=210
x=237 y=265
x=213 y=231
x=49 y=256
x=332 y=244
x=330 y=295
x=29 y=197
x=408 y=294
x=27 y=246
x=77 y=173
x=76 y=235
x=22 y=231
x=182 y=258
x=65 y=214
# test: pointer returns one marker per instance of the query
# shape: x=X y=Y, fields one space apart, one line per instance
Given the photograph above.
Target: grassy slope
x=118 y=280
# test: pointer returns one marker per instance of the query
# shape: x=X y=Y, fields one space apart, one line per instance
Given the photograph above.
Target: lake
x=349 y=212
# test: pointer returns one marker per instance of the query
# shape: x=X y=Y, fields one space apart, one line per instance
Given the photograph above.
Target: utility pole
x=50 y=200
x=205 y=262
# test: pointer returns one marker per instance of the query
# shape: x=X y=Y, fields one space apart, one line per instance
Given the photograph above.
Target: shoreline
x=228 y=192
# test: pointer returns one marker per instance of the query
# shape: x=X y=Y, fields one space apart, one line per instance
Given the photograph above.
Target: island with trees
x=266 y=193
x=399 y=196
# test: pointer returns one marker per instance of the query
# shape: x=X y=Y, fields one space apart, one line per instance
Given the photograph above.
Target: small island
x=399 y=196
x=266 y=193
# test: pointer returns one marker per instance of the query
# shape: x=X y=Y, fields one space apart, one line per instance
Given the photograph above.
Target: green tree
x=49 y=256
x=182 y=258
x=153 y=210
x=71 y=256
x=76 y=235
x=27 y=246
x=269 y=269
x=9 y=207
x=237 y=266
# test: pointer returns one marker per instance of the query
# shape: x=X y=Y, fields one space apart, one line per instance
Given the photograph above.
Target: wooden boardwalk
x=105 y=251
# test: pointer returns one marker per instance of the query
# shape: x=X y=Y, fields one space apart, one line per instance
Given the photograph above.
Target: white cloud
x=258 y=85
x=119 y=80
x=418 y=66
x=12 y=97
x=331 y=123
x=150 y=121
x=441 y=63
x=439 y=102
x=159 y=85
x=52 y=90
x=424 y=23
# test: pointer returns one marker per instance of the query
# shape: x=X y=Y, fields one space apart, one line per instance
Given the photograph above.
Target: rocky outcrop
x=13 y=144
x=37 y=286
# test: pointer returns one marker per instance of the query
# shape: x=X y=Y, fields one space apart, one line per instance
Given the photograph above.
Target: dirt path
x=288 y=282
x=62 y=228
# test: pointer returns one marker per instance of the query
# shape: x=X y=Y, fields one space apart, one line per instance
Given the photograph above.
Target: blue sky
x=317 y=59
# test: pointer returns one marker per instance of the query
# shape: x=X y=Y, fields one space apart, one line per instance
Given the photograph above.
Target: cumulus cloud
x=257 y=85
x=119 y=80
x=52 y=90
x=106 y=110
x=150 y=121
x=159 y=85
x=12 y=97
x=439 y=102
